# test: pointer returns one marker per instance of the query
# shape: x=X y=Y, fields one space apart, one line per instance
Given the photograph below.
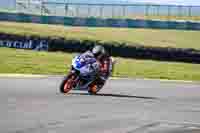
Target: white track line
x=192 y=124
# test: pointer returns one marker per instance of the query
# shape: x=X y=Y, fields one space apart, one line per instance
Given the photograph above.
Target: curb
x=168 y=80
x=160 y=80
x=112 y=78
x=23 y=76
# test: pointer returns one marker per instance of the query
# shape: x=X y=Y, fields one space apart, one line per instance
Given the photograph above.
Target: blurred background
x=144 y=9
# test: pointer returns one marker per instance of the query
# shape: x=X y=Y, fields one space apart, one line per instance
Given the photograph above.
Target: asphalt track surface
x=34 y=105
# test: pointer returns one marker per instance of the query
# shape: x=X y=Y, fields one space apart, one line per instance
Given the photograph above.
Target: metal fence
x=134 y=11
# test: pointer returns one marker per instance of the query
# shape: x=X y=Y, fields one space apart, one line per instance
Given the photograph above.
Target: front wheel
x=68 y=83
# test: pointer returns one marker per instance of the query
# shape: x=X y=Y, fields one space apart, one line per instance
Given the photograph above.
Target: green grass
x=32 y=62
x=6 y=10
x=172 y=18
x=161 y=17
x=146 y=37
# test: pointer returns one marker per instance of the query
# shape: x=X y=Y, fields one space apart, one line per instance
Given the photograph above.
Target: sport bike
x=82 y=74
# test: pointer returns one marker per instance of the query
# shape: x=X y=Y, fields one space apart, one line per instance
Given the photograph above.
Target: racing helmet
x=98 y=51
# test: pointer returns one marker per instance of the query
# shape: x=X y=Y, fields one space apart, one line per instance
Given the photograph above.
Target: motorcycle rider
x=104 y=64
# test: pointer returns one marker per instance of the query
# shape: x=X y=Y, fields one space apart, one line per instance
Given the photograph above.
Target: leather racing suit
x=105 y=70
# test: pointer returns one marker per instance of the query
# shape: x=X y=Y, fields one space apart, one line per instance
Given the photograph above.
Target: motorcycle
x=82 y=75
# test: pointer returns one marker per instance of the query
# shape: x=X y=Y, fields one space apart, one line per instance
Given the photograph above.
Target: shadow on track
x=112 y=95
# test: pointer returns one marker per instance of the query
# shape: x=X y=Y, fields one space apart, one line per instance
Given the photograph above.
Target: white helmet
x=98 y=51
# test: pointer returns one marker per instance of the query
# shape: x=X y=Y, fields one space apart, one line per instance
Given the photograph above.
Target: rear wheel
x=95 y=87
x=68 y=83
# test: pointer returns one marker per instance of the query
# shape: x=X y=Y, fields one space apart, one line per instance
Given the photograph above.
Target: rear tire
x=94 y=91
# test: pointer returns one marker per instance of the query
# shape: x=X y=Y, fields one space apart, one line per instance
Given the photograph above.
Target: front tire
x=67 y=83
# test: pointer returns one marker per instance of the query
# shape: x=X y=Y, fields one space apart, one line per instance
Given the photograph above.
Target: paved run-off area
x=34 y=105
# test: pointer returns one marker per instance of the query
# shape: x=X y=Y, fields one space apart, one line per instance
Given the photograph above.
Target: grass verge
x=145 y=37
x=32 y=62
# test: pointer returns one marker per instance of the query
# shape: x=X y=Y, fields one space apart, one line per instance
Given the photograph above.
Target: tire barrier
x=115 y=49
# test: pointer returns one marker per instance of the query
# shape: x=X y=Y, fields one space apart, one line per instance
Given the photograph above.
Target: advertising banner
x=40 y=45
